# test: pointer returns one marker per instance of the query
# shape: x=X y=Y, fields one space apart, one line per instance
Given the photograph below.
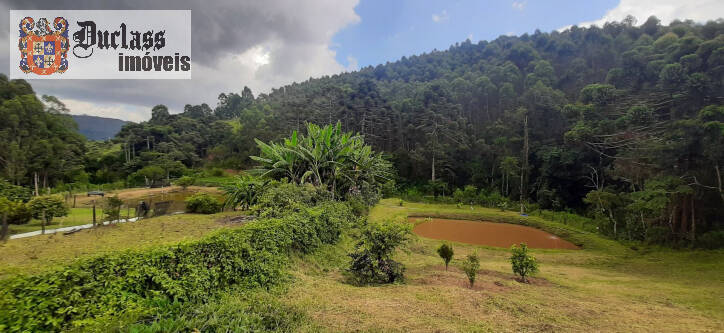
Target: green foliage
x=202 y=203
x=112 y=208
x=279 y=198
x=142 y=284
x=152 y=173
x=14 y=192
x=523 y=263
x=445 y=252
x=372 y=257
x=38 y=137
x=243 y=192
x=340 y=162
x=185 y=181
x=470 y=266
x=235 y=311
x=48 y=207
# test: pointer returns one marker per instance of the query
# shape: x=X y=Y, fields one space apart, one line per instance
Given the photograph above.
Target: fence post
x=94 y=212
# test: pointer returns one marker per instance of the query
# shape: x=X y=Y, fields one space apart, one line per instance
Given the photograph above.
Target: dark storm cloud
x=291 y=37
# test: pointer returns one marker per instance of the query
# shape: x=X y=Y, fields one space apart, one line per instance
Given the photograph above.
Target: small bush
x=372 y=257
x=524 y=264
x=470 y=266
x=112 y=208
x=446 y=253
x=202 y=203
x=47 y=207
x=711 y=240
x=280 y=198
x=185 y=182
x=215 y=172
x=20 y=214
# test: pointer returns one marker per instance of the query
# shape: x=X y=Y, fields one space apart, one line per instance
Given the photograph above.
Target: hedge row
x=133 y=281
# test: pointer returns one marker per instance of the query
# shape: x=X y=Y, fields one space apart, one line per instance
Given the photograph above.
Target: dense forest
x=623 y=123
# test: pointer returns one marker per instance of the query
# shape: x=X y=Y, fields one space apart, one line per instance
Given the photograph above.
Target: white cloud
x=352 y=63
x=118 y=111
x=519 y=5
x=664 y=10
x=441 y=17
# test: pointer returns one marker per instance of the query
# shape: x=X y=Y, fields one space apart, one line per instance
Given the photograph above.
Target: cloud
x=519 y=5
x=441 y=17
x=664 y=10
x=353 y=64
x=234 y=44
x=119 y=111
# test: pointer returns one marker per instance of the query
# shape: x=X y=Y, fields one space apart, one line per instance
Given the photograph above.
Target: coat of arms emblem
x=42 y=50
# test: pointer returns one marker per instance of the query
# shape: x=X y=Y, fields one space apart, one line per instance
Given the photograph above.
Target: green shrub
x=142 y=284
x=279 y=198
x=372 y=257
x=470 y=266
x=215 y=172
x=202 y=203
x=237 y=311
x=523 y=263
x=185 y=181
x=47 y=207
x=14 y=192
x=112 y=208
x=445 y=252
x=710 y=240
x=243 y=192
x=20 y=214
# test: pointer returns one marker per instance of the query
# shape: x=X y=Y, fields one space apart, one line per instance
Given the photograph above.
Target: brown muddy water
x=488 y=233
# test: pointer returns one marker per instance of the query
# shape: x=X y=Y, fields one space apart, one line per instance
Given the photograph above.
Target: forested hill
x=98 y=128
x=600 y=118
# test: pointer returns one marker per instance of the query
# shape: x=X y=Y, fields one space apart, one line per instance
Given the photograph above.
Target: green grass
x=606 y=286
x=77 y=216
x=213 y=181
x=37 y=253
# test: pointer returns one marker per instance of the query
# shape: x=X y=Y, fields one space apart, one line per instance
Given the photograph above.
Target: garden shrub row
x=107 y=286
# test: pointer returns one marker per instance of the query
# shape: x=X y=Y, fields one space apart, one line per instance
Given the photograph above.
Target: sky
x=270 y=43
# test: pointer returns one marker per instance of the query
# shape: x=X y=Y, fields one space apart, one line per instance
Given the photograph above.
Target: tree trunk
x=35 y=177
x=684 y=220
x=433 y=165
x=524 y=165
x=4 y=230
x=718 y=179
x=693 y=220
x=42 y=224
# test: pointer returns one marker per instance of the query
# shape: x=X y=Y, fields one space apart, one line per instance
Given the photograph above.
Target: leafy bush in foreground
x=523 y=263
x=445 y=252
x=372 y=258
x=470 y=266
x=134 y=283
x=202 y=203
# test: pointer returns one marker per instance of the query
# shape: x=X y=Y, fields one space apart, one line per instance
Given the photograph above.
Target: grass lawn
x=77 y=216
x=605 y=286
x=33 y=254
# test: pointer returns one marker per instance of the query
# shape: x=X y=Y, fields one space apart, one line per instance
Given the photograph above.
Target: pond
x=488 y=233
x=165 y=202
